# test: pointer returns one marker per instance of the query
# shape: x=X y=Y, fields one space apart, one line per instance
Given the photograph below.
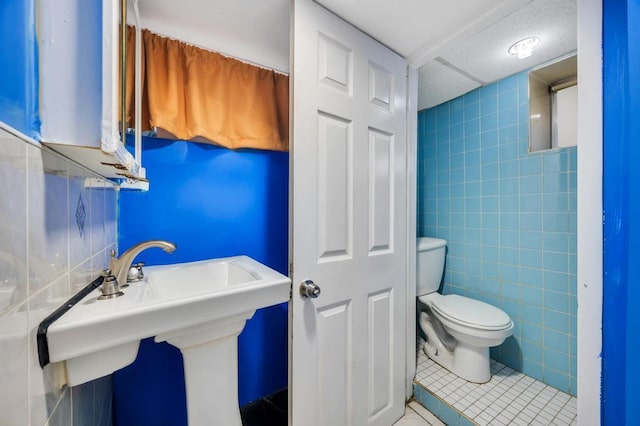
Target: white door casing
x=349 y=214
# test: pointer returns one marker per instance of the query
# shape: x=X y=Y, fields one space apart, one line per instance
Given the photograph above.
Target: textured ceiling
x=483 y=58
x=459 y=44
x=411 y=26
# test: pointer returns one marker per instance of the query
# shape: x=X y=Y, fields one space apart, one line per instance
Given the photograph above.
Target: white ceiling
x=256 y=31
x=459 y=45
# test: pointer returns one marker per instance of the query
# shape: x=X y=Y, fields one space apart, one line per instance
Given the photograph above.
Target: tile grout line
x=540 y=397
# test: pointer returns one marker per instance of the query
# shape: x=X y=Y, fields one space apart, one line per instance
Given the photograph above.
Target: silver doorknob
x=308 y=289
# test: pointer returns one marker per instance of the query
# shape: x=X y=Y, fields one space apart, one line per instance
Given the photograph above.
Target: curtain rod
x=138 y=85
x=123 y=70
x=573 y=81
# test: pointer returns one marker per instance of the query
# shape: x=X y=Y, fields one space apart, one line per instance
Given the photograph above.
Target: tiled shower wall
x=509 y=217
x=55 y=237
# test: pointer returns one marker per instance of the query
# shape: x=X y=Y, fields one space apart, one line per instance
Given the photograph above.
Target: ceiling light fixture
x=524 y=47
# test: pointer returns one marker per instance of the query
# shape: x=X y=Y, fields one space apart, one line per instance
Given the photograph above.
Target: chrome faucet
x=119 y=266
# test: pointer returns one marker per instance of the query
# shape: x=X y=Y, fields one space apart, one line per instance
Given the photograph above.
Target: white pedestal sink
x=199 y=307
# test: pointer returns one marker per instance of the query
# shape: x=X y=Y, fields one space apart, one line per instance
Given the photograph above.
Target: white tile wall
x=44 y=259
x=79 y=243
x=13 y=223
x=47 y=205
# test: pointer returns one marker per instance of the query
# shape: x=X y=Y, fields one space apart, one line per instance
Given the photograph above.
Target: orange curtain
x=195 y=94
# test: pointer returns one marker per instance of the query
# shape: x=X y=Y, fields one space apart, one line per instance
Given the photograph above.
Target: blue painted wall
x=212 y=202
x=19 y=66
x=510 y=221
x=621 y=292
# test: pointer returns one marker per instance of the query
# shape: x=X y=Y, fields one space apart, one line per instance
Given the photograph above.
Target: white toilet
x=459 y=330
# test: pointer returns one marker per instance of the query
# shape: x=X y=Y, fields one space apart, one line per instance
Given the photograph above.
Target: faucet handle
x=109 y=288
x=135 y=273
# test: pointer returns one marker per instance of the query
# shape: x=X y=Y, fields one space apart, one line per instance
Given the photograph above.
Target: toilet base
x=470 y=363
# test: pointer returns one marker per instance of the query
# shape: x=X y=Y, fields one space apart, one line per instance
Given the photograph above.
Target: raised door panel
x=335 y=64
x=335 y=188
x=380 y=336
x=381 y=192
x=334 y=363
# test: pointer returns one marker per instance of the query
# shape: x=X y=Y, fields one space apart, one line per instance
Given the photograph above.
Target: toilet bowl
x=459 y=330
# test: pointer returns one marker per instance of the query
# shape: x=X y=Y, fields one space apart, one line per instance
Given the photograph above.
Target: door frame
x=589 y=211
x=412 y=212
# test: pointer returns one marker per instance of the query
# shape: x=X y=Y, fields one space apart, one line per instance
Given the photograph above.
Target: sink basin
x=181 y=281
x=97 y=337
x=189 y=305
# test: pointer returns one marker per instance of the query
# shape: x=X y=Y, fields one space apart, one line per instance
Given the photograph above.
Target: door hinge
x=291 y=276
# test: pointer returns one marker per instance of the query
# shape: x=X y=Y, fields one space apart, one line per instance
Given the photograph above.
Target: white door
x=349 y=224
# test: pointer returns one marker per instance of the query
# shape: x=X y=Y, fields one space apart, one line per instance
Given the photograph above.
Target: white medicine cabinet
x=79 y=85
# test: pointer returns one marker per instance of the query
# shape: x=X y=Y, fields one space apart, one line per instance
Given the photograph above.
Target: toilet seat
x=471 y=313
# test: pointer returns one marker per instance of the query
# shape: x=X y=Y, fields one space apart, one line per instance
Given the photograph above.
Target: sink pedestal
x=210 y=356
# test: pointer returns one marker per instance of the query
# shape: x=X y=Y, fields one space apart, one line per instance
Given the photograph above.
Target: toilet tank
x=430 y=263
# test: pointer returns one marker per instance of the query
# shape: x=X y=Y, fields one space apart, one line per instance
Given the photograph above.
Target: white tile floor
x=509 y=398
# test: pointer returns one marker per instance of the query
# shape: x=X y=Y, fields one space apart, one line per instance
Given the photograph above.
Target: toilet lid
x=471 y=312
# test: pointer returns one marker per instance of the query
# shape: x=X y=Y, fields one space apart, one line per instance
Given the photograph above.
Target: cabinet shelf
x=117 y=165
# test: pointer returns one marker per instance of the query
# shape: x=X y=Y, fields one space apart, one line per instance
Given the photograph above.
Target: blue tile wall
x=441 y=409
x=509 y=217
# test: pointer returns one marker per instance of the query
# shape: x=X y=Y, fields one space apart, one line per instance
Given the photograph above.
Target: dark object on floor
x=268 y=411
